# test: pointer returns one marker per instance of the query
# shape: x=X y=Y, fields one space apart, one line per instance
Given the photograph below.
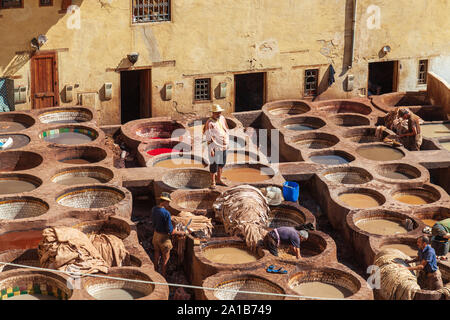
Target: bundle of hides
x=397 y=283
x=200 y=226
x=69 y=249
x=244 y=211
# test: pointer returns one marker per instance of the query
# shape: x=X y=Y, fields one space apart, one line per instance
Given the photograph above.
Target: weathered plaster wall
x=438 y=92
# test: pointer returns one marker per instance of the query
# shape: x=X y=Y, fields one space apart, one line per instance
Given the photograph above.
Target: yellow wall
x=219 y=38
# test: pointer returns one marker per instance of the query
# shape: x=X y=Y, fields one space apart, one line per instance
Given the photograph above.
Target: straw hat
x=216 y=108
x=165 y=196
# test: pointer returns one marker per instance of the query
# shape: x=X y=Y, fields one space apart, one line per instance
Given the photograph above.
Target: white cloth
x=217 y=134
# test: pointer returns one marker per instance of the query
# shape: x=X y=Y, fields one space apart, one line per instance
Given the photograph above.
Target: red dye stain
x=20 y=240
x=159 y=151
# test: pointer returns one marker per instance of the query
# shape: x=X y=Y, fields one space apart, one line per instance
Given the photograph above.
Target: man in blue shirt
x=287 y=235
x=163 y=229
x=429 y=277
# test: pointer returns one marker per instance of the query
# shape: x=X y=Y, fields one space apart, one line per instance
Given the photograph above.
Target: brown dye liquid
x=381 y=226
x=322 y=290
x=359 y=200
x=410 y=199
x=15 y=186
x=429 y=222
x=248 y=175
x=117 y=294
x=284 y=252
x=238 y=157
x=435 y=130
x=406 y=249
x=229 y=255
x=380 y=153
x=287 y=110
x=79 y=180
x=20 y=240
x=75 y=161
x=396 y=175
x=33 y=297
x=10 y=126
x=179 y=163
x=70 y=138
x=446 y=145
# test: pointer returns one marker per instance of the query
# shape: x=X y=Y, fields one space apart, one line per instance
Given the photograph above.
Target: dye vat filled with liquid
x=179 y=163
x=229 y=255
x=13 y=185
x=435 y=130
x=397 y=175
x=319 y=289
x=359 y=200
x=417 y=196
x=70 y=181
x=380 y=153
x=411 y=199
x=117 y=294
x=331 y=159
x=299 y=127
x=70 y=138
x=20 y=240
x=380 y=226
x=405 y=248
x=245 y=174
x=75 y=161
x=11 y=126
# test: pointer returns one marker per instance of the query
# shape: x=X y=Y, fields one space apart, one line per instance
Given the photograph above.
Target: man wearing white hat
x=217 y=136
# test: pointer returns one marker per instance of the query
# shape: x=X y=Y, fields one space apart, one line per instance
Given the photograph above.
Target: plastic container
x=441 y=247
x=291 y=191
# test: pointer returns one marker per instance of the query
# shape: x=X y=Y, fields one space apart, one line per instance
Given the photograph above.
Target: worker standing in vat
x=287 y=235
x=441 y=233
x=163 y=229
x=412 y=138
x=429 y=277
x=217 y=137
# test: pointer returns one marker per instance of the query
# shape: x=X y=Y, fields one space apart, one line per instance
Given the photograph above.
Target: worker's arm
x=411 y=133
x=421 y=266
x=296 y=251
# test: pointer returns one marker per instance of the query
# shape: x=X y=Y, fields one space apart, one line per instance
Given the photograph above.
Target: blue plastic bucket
x=291 y=191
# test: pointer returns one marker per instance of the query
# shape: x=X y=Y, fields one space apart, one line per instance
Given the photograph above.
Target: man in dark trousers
x=287 y=235
x=429 y=277
x=163 y=229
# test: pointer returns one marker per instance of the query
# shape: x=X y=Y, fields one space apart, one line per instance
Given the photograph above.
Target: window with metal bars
x=45 y=3
x=423 y=70
x=151 y=11
x=202 y=89
x=311 y=80
x=6 y=4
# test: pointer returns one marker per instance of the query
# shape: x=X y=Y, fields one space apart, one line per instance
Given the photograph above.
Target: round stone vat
x=247 y=173
x=33 y=285
x=407 y=245
x=350 y=120
x=146 y=151
x=255 y=287
x=83 y=175
x=398 y=171
x=389 y=101
x=197 y=202
x=178 y=161
x=80 y=155
x=110 y=289
x=15 y=122
x=315 y=140
x=343 y=106
x=113 y=225
x=303 y=123
x=331 y=157
x=66 y=115
x=90 y=197
x=380 y=152
x=69 y=135
x=228 y=253
x=363 y=135
x=348 y=175
x=18 y=183
x=287 y=107
x=430 y=215
x=289 y=215
x=160 y=130
x=14 y=208
x=319 y=246
x=417 y=196
x=328 y=283
x=18 y=255
x=360 y=198
x=19 y=140
x=19 y=160
x=187 y=179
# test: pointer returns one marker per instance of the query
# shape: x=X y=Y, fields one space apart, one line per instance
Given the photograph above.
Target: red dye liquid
x=20 y=240
x=159 y=151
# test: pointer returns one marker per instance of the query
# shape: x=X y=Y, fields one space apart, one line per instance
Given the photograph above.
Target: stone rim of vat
x=426 y=191
x=150 y=291
x=22 y=160
x=167 y=178
x=179 y=196
x=36 y=181
x=86 y=114
x=302 y=106
x=24 y=119
x=341 y=153
x=313 y=121
x=330 y=139
x=348 y=106
x=143 y=148
x=331 y=273
x=101 y=173
x=222 y=278
x=20 y=140
x=356 y=134
x=88 y=153
x=348 y=120
x=389 y=101
x=418 y=173
x=264 y=168
x=378 y=196
x=25 y=201
x=77 y=191
x=431 y=212
x=376 y=244
x=232 y=123
x=361 y=173
x=305 y=214
x=94 y=134
x=383 y=145
x=443 y=140
x=178 y=156
x=22 y=278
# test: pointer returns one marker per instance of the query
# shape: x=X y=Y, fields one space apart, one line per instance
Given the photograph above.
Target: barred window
x=311 y=80
x=202 y=89
x=45 y=3
x=151 y=10
x=5 y=4
x=423 y=70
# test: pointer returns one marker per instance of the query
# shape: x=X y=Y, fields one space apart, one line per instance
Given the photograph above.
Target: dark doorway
x=249 y=91
x=382 y=77
x=135 y=95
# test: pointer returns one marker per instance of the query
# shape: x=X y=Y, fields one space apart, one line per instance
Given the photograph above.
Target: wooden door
x=44 y=81
x=145 y=93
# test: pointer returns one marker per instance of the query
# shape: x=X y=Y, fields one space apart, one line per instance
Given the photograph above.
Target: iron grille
x=311 y=82
x=423 y=70
x=151 y=10
x=203 y=89
x=11 y=4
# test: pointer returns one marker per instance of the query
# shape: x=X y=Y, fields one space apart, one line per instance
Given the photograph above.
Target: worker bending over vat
x=285 y=235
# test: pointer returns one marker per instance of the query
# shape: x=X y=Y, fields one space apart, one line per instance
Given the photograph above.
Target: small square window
x=45 y=3
x=423 y=70
x=311 y=81
x=6 y=4
x=151 y=11
x=202 y=89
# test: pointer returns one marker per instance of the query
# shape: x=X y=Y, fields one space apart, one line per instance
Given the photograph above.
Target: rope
x=77 y=274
